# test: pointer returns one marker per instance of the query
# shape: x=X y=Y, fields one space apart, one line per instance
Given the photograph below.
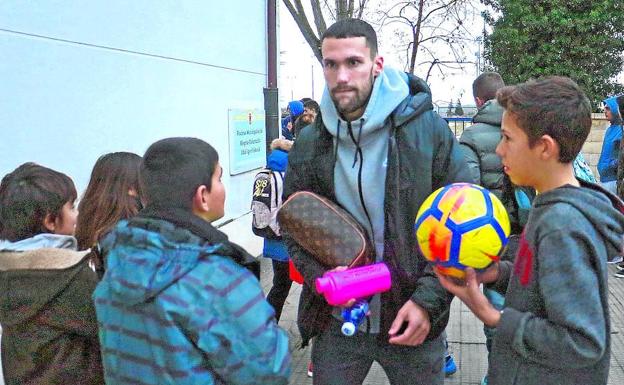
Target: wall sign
x=247 y=134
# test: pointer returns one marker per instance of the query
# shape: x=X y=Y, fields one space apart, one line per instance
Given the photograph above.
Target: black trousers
x=341 y=360
x=281 y=287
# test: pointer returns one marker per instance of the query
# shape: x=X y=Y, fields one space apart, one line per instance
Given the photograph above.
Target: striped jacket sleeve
x=238 y=332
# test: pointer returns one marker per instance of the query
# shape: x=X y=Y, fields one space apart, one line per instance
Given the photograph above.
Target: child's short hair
x=554 y=106
x=173 y=169
x=27 y=195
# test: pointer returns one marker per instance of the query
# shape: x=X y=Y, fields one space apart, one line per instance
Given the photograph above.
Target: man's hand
x=418 y=325
x=470 y=294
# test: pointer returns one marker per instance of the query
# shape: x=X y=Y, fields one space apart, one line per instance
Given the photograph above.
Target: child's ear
x=200 y=201
x=49 y=222
x=550 y=148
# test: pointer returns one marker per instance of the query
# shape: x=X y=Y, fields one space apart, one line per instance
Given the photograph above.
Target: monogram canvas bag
x=325 y=230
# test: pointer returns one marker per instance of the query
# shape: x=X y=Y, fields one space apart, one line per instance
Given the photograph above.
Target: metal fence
x=457 y=124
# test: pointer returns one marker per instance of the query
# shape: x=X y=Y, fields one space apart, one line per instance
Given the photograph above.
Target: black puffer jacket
x=479 y=143
x=423 y=155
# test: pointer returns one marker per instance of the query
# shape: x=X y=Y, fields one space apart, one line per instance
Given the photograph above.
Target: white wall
x=80 y=79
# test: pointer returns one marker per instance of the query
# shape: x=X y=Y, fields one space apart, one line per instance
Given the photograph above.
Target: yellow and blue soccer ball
x=461 y=225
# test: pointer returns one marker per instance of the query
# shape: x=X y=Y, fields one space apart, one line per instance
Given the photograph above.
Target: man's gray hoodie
x=361 y=160
x=555 y=327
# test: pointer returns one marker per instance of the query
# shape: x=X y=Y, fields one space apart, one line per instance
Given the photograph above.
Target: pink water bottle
x=359 y=282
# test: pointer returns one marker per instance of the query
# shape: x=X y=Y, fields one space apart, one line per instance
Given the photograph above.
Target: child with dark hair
x=48 y=319
x=555 y=325
x=178 y=304
x=113 y=193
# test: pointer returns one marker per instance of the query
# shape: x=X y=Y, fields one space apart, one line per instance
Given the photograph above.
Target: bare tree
x=320 y=9
x=420 y=25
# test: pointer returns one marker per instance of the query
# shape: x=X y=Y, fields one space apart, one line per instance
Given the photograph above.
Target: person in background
x=113 y=194
x=479 y=143
x=275 y=249
x=609 y=155
x=310 y=111
x=50 y=328
x=178 y=303
x=294 y=110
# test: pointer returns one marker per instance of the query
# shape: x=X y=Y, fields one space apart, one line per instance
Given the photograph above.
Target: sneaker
x=449 y=365
x=619 y=274
x=620 y=266
x=310 y=372
x=484 y=381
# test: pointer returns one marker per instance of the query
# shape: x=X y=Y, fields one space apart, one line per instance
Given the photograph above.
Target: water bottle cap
x=348 y=329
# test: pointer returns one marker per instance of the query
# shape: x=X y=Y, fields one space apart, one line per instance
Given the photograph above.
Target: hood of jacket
x=152 y=251
x=615 y=110
x=601 y=208
x=40 y=241
x=34 y=271
x=394 y=93
x=490 y=113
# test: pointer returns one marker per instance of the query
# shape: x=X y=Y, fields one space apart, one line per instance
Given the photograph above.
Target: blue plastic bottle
x=353 y=317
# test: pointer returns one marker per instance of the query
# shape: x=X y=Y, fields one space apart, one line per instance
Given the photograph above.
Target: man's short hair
x=485 y=86
x=27 y=196
x=346 y=28
x=554 y=106
x=172 y=169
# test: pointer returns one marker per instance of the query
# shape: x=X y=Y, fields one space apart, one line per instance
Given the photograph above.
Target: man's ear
x=49 y=222
x=200 y=201
x=378 y=64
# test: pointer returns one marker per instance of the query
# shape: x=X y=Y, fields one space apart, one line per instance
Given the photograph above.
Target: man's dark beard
x=363 y=103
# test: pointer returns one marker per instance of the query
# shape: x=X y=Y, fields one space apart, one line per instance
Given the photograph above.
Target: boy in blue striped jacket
x=177 y=304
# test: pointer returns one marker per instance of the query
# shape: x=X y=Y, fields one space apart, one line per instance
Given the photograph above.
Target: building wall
x=593 y=144
x=80 y=79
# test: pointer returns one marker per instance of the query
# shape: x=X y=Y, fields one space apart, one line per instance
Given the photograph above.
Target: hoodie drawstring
x=358 y=149
x=358 y=152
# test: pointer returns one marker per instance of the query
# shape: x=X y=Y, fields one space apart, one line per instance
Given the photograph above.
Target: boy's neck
x=554 y=176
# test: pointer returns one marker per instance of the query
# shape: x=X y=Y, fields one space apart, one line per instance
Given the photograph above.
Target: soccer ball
x=461 y=225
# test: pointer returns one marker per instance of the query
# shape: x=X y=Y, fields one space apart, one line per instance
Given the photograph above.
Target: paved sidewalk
x=465 y=336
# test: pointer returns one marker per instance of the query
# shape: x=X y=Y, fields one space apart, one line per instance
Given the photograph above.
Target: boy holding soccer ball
x=555 y=326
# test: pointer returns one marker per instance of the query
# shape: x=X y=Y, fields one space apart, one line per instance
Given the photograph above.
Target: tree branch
x=301 y=19
x=319 y=20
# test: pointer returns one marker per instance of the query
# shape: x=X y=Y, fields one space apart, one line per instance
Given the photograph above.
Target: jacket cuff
x=435 y=303
x=509 y=324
